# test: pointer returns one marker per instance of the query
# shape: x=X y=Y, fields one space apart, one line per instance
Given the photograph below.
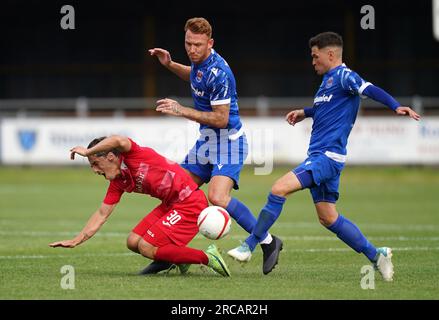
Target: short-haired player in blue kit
x=334 y=112
x=218 y=155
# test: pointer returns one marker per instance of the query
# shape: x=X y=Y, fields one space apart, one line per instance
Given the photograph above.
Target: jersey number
x=172 y=219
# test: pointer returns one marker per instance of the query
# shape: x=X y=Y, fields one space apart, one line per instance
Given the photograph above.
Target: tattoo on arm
x=175 y=108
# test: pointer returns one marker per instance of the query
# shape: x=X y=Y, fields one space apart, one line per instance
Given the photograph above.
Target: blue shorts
x=325 y=174
x=223 y=158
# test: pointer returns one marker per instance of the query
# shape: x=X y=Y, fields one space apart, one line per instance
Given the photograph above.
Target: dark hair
x=95 y=141
x=199 y=26
x=326 y=39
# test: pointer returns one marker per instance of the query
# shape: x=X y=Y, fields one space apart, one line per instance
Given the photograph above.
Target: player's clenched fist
x=295 y=116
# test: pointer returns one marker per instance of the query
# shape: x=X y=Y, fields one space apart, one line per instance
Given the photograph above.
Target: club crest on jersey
x=199 y=76
x=329 y=83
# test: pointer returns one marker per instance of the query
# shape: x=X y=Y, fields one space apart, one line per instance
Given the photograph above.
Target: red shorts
x=176 y=224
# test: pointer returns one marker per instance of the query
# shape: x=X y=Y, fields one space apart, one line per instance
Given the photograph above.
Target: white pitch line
x=67 y=256
x=348 y=249
x=373 y=226
x=311 y=250
x=58 y=233
x=6 y=223
x=234 y=237
x=334 y=238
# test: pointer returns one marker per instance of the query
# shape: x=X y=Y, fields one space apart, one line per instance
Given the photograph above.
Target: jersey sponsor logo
x=199 y=76
x=141 y=173
x=323 y=98
x=329 y=83
x=197 y=92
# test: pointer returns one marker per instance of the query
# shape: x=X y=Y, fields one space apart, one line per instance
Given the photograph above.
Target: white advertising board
x=377 y=140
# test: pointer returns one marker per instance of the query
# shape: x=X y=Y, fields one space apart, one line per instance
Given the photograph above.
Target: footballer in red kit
x=145 y=171
x=163 y=234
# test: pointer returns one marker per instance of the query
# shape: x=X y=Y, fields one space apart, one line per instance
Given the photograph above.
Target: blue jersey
x=336 y=106
x=213 y=83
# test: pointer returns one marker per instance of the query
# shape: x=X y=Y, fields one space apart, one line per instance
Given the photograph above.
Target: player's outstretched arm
x=165 y=59
x=120 y=143
x=380 y=95
x=93 y=225
x=407 y=111
x=295 y=116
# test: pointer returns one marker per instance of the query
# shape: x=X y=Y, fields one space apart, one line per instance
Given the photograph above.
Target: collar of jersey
x=205 y=62
x=333 y=70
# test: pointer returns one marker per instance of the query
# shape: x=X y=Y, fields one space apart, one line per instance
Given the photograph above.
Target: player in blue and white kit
x=334 y=112
x=219 y=153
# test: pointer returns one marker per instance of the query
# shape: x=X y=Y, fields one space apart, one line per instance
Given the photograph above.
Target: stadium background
x=267 y=46
x=98 y=77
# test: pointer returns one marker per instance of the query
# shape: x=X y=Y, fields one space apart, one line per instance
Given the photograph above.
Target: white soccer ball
x=214 y=222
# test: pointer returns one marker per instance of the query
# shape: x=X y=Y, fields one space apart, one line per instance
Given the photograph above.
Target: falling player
x=163 y=234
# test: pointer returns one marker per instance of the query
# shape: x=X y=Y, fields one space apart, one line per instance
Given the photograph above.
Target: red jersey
x=145 y=171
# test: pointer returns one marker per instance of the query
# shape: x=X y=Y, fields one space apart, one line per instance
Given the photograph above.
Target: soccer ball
x=214 y=222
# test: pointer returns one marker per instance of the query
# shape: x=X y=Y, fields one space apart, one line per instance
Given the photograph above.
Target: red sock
x=181 y=255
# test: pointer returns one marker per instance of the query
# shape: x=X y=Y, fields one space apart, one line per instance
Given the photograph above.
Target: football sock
x=181 y=255
x=352 y=236
x=243 y=216
x=267 y=239
x=267 y=217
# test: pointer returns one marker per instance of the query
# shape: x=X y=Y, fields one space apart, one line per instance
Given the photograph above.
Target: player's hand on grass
x=79 y=150
x=295 y=116
x=163 y=55
x=407 y=111
x=64 y=244
x=169 y=106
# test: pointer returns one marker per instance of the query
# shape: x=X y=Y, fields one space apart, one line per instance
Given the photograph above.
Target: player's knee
x=278 y=189
x=220 y=200
x=327 y=220
x=147 y=250
x=133 y=242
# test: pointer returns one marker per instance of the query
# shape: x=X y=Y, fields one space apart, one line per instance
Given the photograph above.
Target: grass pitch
x=393 y=206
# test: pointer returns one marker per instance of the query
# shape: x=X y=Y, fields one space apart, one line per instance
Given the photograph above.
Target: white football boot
x=241 y=253
x=384 y=263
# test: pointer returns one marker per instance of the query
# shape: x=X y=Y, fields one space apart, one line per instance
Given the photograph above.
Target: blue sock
x=267 y=217
x=244 y=217
x=352 y=236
